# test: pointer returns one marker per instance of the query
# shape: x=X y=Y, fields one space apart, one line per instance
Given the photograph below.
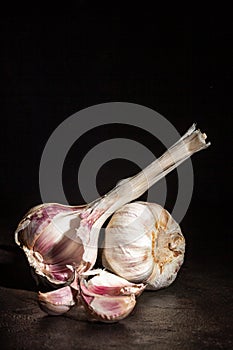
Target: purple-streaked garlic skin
x=105 y=282
x=57 y=302
x=107 y=297
x=109 y=309
x=144 y=244
x=51 y=249
x=58 y=239
x=37 y=219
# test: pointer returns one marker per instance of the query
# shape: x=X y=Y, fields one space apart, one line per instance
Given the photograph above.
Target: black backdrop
x=56 y=63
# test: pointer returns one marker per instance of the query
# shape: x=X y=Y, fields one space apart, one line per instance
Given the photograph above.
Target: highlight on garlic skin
x=61 y=242
x=144 y=244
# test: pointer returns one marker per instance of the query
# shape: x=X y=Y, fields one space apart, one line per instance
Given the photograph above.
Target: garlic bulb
x=143 y=243
x=47 y=235
x=60 y=241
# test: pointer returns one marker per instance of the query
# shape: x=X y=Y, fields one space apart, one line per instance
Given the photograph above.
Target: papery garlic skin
x=107 y=297
x=143 y=243
x=47 y=235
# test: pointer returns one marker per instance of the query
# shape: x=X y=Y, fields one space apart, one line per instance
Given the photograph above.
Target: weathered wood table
x=194 y=313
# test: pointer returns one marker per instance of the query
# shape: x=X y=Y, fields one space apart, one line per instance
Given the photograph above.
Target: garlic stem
x=132 y=188
x=97 y=212
x=192 y=142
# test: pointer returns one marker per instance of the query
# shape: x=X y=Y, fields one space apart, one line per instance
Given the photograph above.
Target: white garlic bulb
x=143 y=243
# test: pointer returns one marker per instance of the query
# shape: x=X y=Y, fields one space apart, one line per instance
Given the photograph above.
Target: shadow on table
x=14 y=269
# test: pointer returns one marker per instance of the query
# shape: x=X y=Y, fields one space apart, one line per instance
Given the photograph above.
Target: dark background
x=54 y=63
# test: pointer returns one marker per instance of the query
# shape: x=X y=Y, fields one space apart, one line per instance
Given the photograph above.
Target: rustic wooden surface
x=194 y=313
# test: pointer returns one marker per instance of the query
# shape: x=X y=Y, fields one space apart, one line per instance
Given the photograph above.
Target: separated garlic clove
x=108 y=283
x=59 y=239
x=107 y=297
x=143 y=243
x=57 y=302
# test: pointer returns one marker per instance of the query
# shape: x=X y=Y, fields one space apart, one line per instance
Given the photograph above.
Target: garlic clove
x=127 y=245
x=57 y=302
x=143 y=243
x=108 y=283
x=107 y=297
x=109 y=309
